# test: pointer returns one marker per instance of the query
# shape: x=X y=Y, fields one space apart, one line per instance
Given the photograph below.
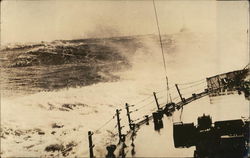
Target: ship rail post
x=119 y=125
x=156 y=101
x=91 y=145
x=178 y=90
x=128 y=114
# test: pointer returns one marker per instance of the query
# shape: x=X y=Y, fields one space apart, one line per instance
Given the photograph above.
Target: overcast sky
x=32 y=21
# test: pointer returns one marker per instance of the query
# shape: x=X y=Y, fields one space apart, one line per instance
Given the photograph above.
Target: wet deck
x=151 y=143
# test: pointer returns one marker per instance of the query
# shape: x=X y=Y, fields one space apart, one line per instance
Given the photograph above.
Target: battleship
x=223 y=138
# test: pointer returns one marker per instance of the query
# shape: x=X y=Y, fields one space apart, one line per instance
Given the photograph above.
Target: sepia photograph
x=124 y=79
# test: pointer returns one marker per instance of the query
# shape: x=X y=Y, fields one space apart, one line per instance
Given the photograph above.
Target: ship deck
x=151 y=143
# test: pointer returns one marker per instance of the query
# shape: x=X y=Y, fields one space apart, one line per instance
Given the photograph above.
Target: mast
x=162 y=52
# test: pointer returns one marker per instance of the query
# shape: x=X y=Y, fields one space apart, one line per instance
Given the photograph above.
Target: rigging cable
x=194 y=85
x=163 y=57
x=192 y=82
x=107 y=122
